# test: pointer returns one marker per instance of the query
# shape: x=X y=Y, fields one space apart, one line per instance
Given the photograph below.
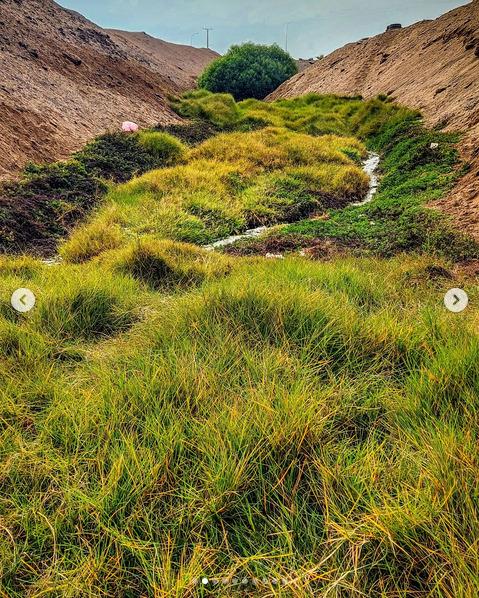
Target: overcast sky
x=315 y=26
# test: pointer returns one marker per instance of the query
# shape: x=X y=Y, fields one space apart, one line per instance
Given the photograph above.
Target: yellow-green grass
x=313 y=114
x=220 y=109
x=229 y=183
x=163 y=264
x=165 y=148
x=309 y=422
x=169 y=413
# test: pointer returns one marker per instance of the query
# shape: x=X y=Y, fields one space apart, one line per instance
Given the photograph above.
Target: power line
x=193 y=35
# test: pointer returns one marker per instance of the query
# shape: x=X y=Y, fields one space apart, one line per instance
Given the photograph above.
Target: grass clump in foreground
x=165 y=264
x=294 y=420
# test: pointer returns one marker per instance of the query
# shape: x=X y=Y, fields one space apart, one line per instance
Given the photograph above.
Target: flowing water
x=370 y=167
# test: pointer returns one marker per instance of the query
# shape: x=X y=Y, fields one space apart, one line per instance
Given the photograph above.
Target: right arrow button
x=456 y=300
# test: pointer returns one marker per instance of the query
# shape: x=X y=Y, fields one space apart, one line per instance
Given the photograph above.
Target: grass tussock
x=292 y=420
x=164 y=148
x=166 y=264
x=312 y=114
x=219 y=109
x=229 y=183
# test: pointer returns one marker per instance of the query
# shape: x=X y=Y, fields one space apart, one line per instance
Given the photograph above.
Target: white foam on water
x=370 y=167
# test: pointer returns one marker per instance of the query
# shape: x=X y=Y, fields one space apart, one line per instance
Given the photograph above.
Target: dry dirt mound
x=188 y=62
x=64 y=80
x=432 y=65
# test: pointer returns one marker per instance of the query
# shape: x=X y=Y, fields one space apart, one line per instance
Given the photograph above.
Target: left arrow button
x=23 y=300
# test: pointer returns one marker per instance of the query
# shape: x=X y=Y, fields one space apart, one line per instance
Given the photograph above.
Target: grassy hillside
x=229 y=183
x=171 y=413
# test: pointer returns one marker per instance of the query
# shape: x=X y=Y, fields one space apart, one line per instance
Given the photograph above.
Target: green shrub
x=249 y=71
x=165 y=149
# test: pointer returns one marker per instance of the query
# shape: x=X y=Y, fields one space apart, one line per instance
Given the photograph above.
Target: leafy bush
x=249 y=71
x=162 y=147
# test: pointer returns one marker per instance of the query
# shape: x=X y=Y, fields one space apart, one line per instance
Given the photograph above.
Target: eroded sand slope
x=64 y=80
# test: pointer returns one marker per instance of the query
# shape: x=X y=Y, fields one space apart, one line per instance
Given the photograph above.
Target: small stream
x=370 y=167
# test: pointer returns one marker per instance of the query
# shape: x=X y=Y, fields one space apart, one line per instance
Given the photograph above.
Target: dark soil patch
x=190 y=132
x=276 y=243
x=44 y=205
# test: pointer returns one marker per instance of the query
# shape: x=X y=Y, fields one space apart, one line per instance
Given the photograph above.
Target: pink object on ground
x=129 y=127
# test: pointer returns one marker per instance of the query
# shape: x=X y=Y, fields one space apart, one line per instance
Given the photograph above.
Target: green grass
x=312 y=114
x=167 y=265
x=118 y=157
x=164 y=148
x=220 y=110
x=296 y=420
x=229 y=183
x=398 y=219
x=169 y=413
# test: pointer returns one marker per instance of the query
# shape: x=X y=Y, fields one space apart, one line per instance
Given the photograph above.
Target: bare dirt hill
x=433 y=66
x=64 y=80
x=188 y=62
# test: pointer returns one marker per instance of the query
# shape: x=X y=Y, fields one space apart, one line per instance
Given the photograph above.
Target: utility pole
x=193 y=36
x=208 y=29
x=286 y=27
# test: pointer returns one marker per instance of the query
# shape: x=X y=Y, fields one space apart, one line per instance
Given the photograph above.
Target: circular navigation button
x=456 y=300
x=23 y=300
